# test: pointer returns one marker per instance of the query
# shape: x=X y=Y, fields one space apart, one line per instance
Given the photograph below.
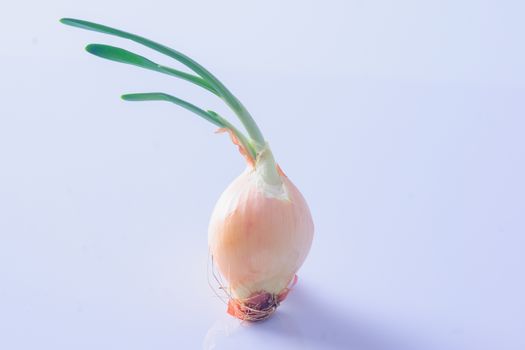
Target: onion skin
x=260 y=233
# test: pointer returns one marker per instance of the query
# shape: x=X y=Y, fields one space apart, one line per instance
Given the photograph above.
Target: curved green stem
x=239 y=109
x=117 y=54
x=161 y=96
x=210 y=116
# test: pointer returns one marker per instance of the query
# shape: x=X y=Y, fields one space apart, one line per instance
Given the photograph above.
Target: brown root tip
x=258 y=307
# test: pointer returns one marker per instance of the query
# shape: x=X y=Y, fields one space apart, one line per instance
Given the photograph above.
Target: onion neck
x=267 y=168
x=265 y=164
x=268 y=177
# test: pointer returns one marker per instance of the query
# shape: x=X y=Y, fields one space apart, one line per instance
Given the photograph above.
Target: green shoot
x=123 y=56
x=210 y=116
x=222 y=91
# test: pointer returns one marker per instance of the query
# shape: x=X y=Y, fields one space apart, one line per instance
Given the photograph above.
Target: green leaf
x=160 y=96
x=120 y=55
x=222 y=91
x=185 y=60
x=123 y=56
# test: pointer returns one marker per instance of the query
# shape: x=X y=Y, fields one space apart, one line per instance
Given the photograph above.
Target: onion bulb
x=259 y=235
x=261 y=229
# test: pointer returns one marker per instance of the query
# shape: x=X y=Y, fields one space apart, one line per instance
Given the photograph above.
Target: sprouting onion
x=261 y=229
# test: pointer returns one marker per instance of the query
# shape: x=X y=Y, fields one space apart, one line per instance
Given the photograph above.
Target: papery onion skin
x=260 y=233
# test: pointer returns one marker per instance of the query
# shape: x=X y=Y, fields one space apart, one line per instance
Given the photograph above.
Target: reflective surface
x=401 y=125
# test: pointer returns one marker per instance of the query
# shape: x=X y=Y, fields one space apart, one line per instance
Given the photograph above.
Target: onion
x=259 y=235
x=261 y=229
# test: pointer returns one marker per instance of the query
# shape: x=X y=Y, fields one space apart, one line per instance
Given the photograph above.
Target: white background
x=402 y=122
